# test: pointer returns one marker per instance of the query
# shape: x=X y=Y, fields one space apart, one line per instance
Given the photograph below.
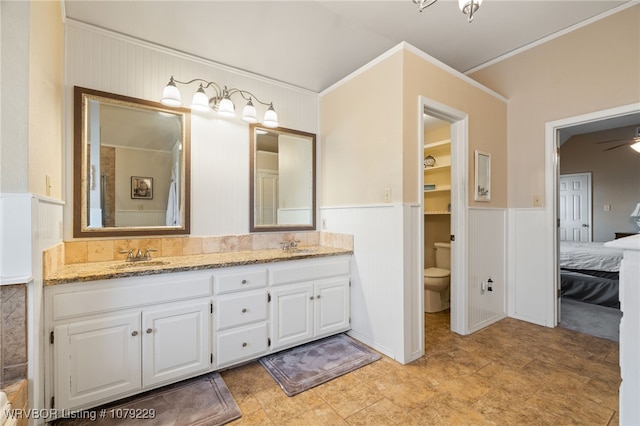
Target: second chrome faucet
x=139 y=256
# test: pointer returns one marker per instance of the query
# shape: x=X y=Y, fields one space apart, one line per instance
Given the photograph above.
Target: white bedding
x=592 y=256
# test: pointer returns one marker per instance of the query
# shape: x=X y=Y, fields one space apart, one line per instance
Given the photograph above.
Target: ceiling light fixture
x=468 y=7
x=220 y=101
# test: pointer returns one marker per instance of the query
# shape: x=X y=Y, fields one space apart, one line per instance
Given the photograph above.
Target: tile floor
x=511 y=373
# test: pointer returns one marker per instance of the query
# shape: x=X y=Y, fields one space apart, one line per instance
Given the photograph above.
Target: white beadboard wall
x=98 y=59
x=378 y=276
x=530 y=289
x=141 y=217
x=487 y=259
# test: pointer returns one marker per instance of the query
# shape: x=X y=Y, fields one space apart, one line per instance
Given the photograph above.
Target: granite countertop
x=80 y=272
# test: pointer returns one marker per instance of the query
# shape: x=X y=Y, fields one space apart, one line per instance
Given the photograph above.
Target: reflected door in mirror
x=282 y=179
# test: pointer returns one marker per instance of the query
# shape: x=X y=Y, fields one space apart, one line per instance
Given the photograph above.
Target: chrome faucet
x=287 y=245
x=139 y=256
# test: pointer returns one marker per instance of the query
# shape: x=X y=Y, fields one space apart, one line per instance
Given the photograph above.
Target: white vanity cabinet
x=309 y=299
x=240 y=314
x=114 y=338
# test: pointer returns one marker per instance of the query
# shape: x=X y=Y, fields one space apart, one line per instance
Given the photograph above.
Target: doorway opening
x=443 y=145
x=557 y=133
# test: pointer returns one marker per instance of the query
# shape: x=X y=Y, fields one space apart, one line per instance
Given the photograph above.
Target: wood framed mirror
x=120 y=141
x=282 y=180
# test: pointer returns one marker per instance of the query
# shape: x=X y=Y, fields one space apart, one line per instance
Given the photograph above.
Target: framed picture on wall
x=483 y=176
x=142 y=187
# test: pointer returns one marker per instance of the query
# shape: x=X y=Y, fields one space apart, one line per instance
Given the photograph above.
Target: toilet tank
x=443 y=255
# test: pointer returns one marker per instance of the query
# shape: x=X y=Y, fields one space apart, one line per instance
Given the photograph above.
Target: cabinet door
x=291 y=314
x=175 y=341
x=96 y=359
x=332 y=307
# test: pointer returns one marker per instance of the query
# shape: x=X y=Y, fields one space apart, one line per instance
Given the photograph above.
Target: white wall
x=101 y=60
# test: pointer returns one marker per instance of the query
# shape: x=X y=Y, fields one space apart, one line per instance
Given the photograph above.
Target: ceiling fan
x=633 y=141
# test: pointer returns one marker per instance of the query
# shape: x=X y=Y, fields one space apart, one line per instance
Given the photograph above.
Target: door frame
x=589 y=176
x=552 y=173
x=459 y=122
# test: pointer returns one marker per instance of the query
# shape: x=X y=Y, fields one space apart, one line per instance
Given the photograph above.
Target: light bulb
x=270 y=117
x=226 y=107
x=200 y=100
x=249 y=113
x=171 y=95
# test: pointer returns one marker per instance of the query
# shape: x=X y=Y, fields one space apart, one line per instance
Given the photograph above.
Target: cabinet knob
x=134 y=333
x=244 y=344
x=244 y=281
x=311 y=298
x=149 y=330
x=318 y=297
x=244 y=310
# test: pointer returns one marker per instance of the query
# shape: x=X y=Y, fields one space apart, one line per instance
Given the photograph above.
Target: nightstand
x=624 y=234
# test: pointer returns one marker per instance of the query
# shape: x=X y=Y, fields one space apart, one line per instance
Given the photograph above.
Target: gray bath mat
x=204 y=400
x=312 y=364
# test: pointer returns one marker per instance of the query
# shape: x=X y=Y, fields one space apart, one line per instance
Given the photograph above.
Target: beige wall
x=361 y=137
x=45 y=98
x=487 y=124
x=615 y=178
x=369 y=131
x=593 y=68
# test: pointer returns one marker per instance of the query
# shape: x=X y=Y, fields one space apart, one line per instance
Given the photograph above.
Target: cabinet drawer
x=309 y=270
x=239 y=280
x=241 y=308
x=73 y=300
x=240 y=344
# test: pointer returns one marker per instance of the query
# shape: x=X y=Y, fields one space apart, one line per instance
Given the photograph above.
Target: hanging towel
x=173 y=209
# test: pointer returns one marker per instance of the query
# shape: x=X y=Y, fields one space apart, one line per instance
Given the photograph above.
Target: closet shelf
x=439 y=143
x=444 y=166
x=439 y=189
x=435 y=212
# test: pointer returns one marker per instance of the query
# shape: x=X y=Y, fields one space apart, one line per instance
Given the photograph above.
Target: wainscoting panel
x=530 y=286
x=380 y=284
x=15 y=246
x=487 y=301
x=141 y=217
x=102 y=60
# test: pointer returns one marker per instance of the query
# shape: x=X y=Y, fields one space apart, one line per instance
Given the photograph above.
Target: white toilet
x=436 y=280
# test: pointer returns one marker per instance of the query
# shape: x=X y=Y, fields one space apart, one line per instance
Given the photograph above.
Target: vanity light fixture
x=468 y=7
x=220 y=101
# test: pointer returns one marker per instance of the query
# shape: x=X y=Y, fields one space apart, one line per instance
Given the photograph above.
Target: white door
x=112 y=344
x=175 y=342
x=291 y=314
x=332 y=306
x=266 y=198
x=574 y=208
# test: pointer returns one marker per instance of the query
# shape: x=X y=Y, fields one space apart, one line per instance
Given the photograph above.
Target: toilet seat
x=436 y=273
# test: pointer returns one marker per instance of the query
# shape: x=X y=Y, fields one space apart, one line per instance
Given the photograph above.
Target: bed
x=589 y=272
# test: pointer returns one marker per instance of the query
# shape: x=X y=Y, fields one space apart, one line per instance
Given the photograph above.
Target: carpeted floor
x=312 y=364
x=595 y=320
x=204 y=401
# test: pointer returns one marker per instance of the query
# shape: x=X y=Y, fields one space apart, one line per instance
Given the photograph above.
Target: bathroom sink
x=141 y=264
